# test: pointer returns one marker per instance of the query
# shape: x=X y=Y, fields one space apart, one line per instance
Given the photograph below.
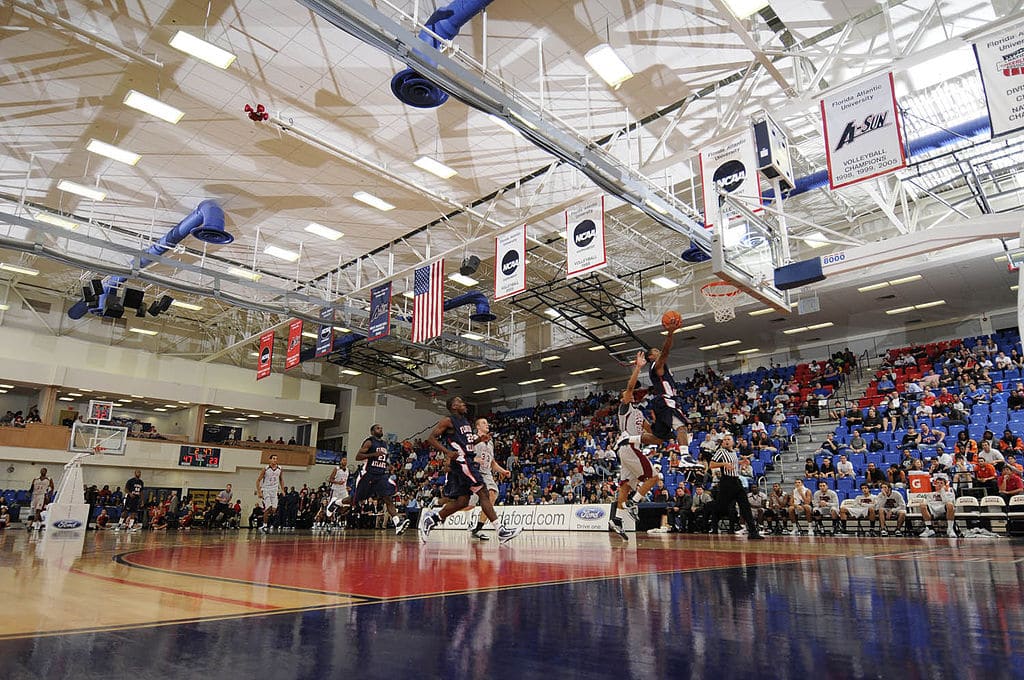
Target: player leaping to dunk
x=454 y=436
x=669 y=421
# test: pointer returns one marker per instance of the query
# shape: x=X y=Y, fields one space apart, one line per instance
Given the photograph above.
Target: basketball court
x=567 y=604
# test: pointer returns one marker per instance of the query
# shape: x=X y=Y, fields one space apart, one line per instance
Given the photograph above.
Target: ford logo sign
x=590 y=513
x=67 y=524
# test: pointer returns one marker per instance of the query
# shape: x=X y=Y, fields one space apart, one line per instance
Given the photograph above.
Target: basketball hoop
x=723 y=298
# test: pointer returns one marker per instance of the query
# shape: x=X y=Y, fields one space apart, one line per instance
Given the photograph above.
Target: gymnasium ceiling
x=336 y=129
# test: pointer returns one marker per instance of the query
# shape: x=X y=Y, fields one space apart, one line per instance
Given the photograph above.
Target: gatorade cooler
x=919 y=482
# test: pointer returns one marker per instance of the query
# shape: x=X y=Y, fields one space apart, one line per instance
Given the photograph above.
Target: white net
x=723 y=298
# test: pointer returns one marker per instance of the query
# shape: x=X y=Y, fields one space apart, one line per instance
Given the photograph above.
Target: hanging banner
x=863 y=138
x=510 y=261
x=730 y=167
x=266 y=358
x=380 y=312
x=325 y=335
x=584 y=237
x=291 y=355
x=1001 y=64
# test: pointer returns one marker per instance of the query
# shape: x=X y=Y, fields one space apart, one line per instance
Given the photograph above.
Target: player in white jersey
x=339 y=491
x=635 y=468
x=941 y=502
x=41 y=486
x=484 y=448
x=268 y=485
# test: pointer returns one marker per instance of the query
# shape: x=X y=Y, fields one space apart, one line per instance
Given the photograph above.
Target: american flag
x=428 y=303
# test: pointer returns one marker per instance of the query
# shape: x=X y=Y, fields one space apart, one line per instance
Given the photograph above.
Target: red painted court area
x=393 y=569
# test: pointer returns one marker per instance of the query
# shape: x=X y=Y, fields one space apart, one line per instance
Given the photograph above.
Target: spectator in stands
x=857 y=443
x=938 y=503
x=897 y=414
x=845 y=469
x=965 y=446
x=913 y=390
x=1003 y=362
x=854 y=416
x=810 y=469
x=1011 y=461
x=5 y=516
x=291 y=441
x=889 y=505
x=268 y=440
x=777 y=508
x=873 y=422
x=985 y=476
x=826 y=469
x=801 y=504
x=991 y=455
x=886 y=384
x=929 y=436
x=761 y=442
x=700 y=510
x=911 y=440
x=874 y=477
x=757 y=500
x=829 y=447
x=1015 y=402
x=896 y=476
x=1010 y=484
x=679 y=512
x=1010 y=442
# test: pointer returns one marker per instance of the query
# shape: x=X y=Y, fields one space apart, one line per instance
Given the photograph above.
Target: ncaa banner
x=294 y=349
x=730 y=167
x=325 y=334
x=1001 y=64
x=510 y=261
x=863 y=138
x=266 y=357
x=584 y=237
x=380 y=312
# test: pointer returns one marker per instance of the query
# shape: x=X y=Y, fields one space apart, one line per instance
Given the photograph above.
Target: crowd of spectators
x=20 y=418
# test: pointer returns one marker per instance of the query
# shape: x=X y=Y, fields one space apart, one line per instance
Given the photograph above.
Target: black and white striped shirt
x=723 y=455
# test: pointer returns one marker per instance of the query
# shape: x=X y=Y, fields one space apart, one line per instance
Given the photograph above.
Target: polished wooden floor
x=367 y=605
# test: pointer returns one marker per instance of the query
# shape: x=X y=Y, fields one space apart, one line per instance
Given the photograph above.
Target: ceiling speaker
x=132 y=298
x=165 y=303
x=112 y=306
x=469 y=265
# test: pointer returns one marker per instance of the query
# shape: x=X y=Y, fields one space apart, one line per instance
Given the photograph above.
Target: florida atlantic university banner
x=510 y=263
x=1001 y=64
x=380 y=312
x=325 y=334
x=862 y=132
x=266 y=358
x=584 y=237
x=729 y=167
x=294 y=349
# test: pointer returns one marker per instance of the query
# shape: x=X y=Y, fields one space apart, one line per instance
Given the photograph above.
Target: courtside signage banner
x=542 y=518
x=584 y=237
x=291 y=354
x=325 y=336
x=266 y=358
x=380 y=312
x=729 y=166
x=1001 y=64
x=510 y=258
x=863 y=138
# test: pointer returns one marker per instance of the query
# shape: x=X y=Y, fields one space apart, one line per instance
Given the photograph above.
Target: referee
x=730 y=488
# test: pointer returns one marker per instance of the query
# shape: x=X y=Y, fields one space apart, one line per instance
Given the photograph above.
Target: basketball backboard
x=95 y=438
x=746 y=252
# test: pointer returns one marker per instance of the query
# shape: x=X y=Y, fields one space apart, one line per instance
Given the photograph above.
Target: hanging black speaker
x=132 y=298
x=112 y=306
x=97 y=286
x=89 y=295
x=141 y=311
x=165 y=303
x=154 y=308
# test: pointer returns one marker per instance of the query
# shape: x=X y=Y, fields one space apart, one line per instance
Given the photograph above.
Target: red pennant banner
x=266 y=358
x=291 y=357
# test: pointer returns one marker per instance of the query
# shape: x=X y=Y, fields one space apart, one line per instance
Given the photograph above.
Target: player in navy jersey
x=374 y=478
x=455 y=437
x=669 y=421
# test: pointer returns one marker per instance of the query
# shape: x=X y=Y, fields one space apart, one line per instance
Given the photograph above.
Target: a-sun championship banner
x=294 y=349
x=510 y=263
x=863 y=138
x=380 y=312
x=584 y=237
x=325 y=334
x=266 y=358
x=729 y=167
x=1001 y=64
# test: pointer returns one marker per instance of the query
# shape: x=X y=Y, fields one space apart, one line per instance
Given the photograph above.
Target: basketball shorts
x=857 y=512
x=269 y=498
x=489 y=484
x=373 y=486
x=667 y=419
x=464 y=479
x=38 y=502
x=824 y=512
x=936 y=508
x=131 y=503
x=339 y=492
x=634 y=465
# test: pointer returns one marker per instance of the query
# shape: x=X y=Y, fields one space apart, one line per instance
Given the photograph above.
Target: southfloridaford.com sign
x=543 y=518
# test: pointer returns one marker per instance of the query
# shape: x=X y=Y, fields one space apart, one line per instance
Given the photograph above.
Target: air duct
x=205 y=223
x=474 y=297
x=414 y=89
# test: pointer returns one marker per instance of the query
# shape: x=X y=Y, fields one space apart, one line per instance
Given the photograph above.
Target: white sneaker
x=428 y=523
x=739 y=532
x=658 y=530
x=795 y=531
x=951 y=531
x=505 y=535
x=810 y=531
x=928 y=532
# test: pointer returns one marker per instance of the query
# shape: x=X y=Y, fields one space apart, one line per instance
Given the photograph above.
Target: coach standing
x=730 y=488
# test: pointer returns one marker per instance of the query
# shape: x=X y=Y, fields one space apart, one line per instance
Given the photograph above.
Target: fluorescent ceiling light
x=323 y=232
x=664 y=282
x=74 y=394
x=584 y=370
x=748 y=351
x=559 y=385
x=214 y=411
x=926 y=305
x=153 y=107
x=137 y=396
x=485 y=390
x=245 y=273
x=55 y=220
x=4 y=308
x=817 y=326
x=7 y=387
x=813 y=327
x=65 y=398
x=185 y=402
x=692 y=327
x=551 y=312
x=553 y=357
x=142 y=331
x=311 y=336
x=1014 y=287
x=409 y=294
x=909 y=308
x=905 y=279
x=607 y=64
x=18 y=269
x=472 y=336
x=170 y=406
x=185 y=305
x=252 y=416
x=342 y=329
x=202 y=50
x=502 y=123
x=595 y=348
x=759 y=312
x=242 y=419
x=289 y=420
x=491 y=371
x=159 y=409
x=656 y=206
x=874 y=286
x=401 y=358
x=282 y=253
x=531 y=382
x=728 y=343
x=893 y=282
x=113 y=152
x=371 y=200
x=349 y=371
x=815 y=239
x=446 y=381
x=3 y=391
x=744 y=9
x=81 y=190
x=434 y=167
x=124 y=401
x=464 y=280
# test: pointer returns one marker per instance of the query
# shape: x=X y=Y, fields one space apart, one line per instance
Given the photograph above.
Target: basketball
x=671 y=319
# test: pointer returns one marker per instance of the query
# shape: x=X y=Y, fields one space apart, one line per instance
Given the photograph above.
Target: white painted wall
x=402 y=417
